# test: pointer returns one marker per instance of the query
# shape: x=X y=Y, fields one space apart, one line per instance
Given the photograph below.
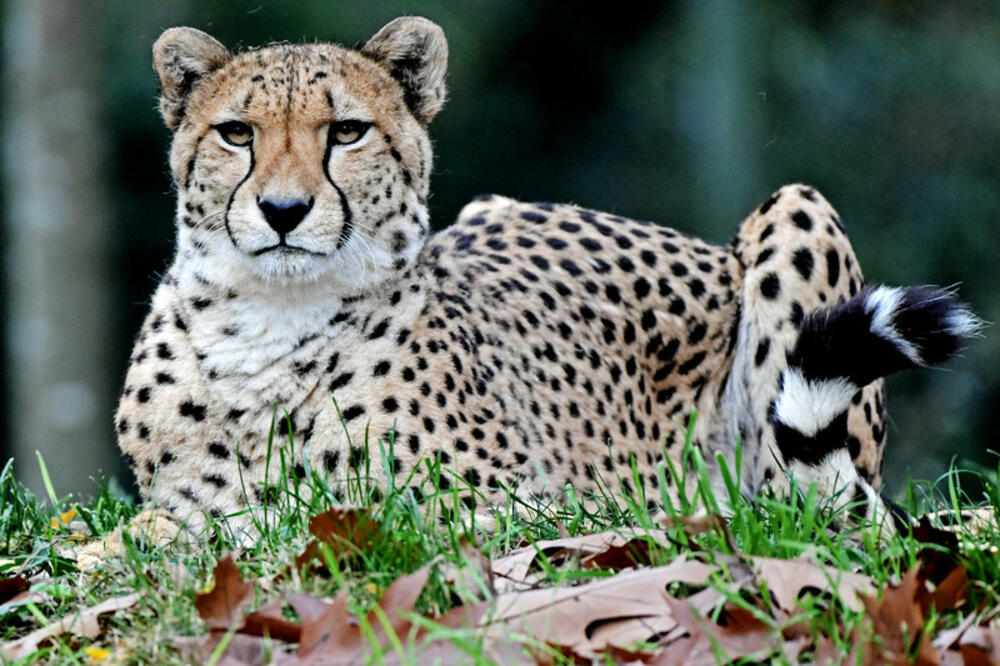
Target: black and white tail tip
x=840 y=349
x=927 y=325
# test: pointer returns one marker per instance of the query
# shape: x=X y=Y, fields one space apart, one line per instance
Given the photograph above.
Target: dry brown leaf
x=241 y=650
x=83 y=623
x=744 y=635
x=790 y=579
x=898 y=621
x=222 y=607
x=947 y=595
x=980 y=646
x=278 y=628
x=514 y=571
x=345 y=531
x=472 y=576
x=11 y=587
x=573 y=617
x=336 y=637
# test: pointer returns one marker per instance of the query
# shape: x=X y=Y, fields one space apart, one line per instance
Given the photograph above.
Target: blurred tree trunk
x=56 y=324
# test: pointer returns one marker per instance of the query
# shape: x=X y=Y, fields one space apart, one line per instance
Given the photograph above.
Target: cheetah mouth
x=283 y=249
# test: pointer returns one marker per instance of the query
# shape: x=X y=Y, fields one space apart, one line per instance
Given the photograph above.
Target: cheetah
x=527 y=348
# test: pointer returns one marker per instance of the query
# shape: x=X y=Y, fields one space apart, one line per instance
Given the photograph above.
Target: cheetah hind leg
x=839 y=350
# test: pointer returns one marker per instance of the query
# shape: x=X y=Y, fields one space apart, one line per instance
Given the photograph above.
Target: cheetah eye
x=346 y=132
x=235 y=133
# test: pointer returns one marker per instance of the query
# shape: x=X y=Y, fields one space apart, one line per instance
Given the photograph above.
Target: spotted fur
x=528 y=347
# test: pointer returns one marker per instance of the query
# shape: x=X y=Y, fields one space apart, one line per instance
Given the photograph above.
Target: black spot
x=641 y=288
x=691 y=363
x=570 y=267
x=341 y=380
x=379 y=330
x=191 y=410
x=765 y=254
x=697 y=334
x=770 y=286
x=352 y=412
x=218 y=450
x=540 y=262
x=766 y=206
x=832 y=267
x=796 y=314
x=218 y=480
x=763 y=347
x=142 y=395
x=381 y=369
x=803 y=262
x=390 y=405
x=802 y=220
x=330 y=460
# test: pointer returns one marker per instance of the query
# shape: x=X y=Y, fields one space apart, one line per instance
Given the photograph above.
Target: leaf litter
x=702 y=607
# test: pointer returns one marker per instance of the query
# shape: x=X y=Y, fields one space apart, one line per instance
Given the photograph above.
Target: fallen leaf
x=11 y=587
x=898 y=622
x=980 y=646
x=788 y=580
x=946 y=595
x=345 y=531
x=573 y=617
x=742 y=636
x=472 y=576
x=335 y=636
x=514 y=571
x=221 y=608
x=83 y=623
x=96 y=653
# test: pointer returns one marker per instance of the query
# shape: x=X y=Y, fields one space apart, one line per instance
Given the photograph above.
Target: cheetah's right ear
x=415 y=51
x=181 y=58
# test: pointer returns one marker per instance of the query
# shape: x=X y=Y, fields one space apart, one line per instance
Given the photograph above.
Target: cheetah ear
x=181 y=58
x=416 y=53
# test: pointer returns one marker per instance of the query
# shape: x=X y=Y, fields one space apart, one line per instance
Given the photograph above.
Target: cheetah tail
x=877 y=332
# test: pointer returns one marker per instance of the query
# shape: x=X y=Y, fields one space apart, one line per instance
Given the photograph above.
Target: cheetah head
x=302 y=163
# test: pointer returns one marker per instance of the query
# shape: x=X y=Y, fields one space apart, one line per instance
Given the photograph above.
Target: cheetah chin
x=527 y=348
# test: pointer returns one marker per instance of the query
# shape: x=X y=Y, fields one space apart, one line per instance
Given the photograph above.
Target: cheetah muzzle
x=526 y=348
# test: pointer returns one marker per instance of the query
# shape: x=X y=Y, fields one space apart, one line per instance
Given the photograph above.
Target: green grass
x=34 y=542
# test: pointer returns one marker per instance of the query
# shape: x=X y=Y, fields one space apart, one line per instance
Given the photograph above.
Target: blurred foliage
x=688 y=114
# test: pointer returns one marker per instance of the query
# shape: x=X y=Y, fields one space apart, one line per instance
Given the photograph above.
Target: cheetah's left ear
x=415 y=51
x=182 y=57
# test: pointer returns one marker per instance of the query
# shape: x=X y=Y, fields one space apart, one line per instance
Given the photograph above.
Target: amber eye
x=346 y=132
x=235 y=133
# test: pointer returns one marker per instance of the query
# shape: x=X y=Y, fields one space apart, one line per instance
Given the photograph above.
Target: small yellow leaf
x=63 y=518
x=96 y=653
x=372 y=588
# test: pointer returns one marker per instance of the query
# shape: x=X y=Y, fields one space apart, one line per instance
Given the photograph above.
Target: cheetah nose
x=284 y=214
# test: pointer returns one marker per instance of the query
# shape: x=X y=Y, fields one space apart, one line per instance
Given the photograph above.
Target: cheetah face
x=303 y=162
